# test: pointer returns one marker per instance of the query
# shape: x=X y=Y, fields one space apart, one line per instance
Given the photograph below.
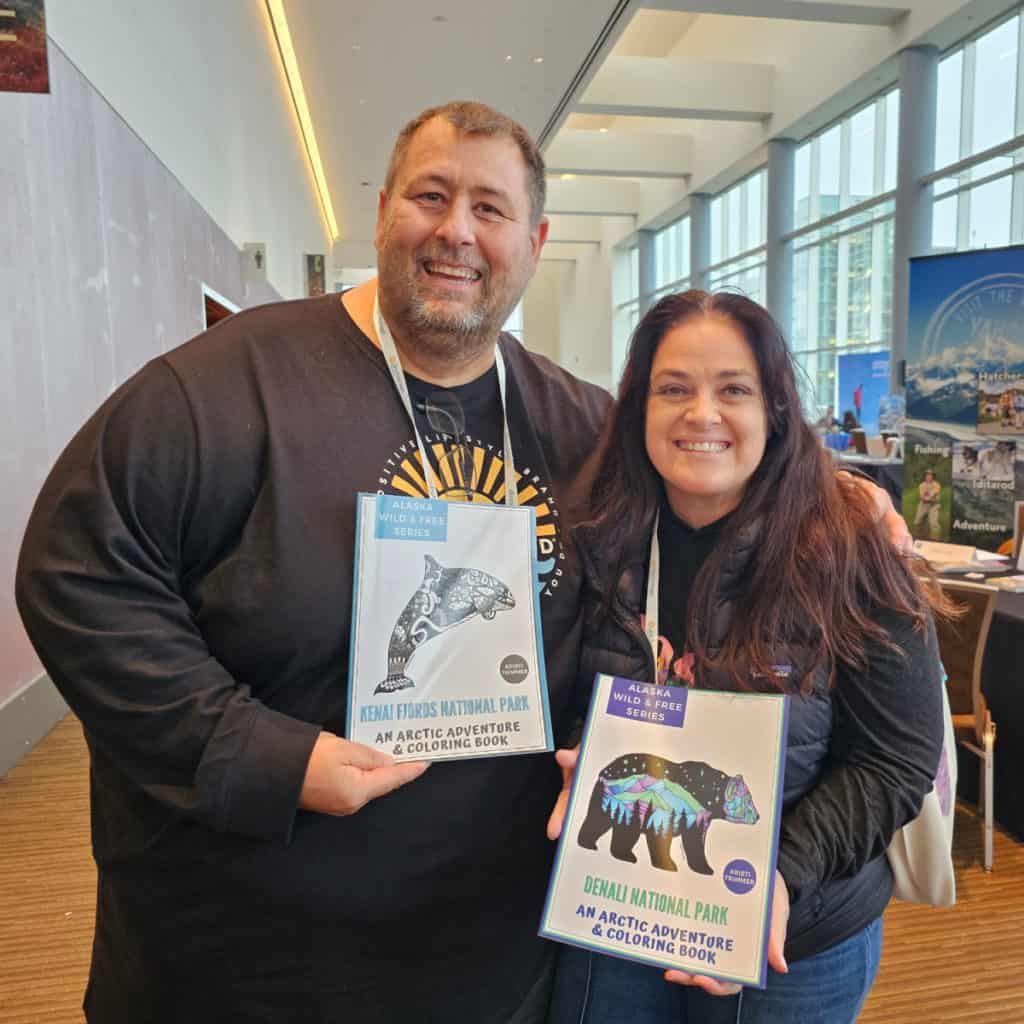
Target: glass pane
x=816 y=378
x=881 y=209
x=717 y=210
x=944 y=224
x=752 y=236
x=673 y=270
x=828 y=171
x=802 y=189
x=983 y=170
x=801 y=266
x=858 y=313
x=685 y=258
x=947 y=119
x=824 y=308
x=990 y=214
x=892 y=138
x=995 y=86
x=735 y=222
x=883 y=288
x=862 y=155
x=634 y=271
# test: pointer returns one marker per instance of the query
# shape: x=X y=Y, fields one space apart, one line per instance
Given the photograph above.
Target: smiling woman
x=706 y=422
x=772 y=576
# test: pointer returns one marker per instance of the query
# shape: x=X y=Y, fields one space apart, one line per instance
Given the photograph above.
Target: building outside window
x=739 y=220
x=979 y=142
x=845 y=177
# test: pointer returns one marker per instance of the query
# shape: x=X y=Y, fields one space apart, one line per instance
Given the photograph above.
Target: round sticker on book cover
x=514 y=669
x=739 y=876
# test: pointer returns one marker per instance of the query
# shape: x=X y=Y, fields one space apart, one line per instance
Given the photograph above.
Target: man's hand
x=343 y=776
x=894 y=524
x=567 y=762
x=776 y=942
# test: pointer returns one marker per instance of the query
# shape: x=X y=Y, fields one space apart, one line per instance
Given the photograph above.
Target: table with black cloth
x=887 y=473
x=1002 y=683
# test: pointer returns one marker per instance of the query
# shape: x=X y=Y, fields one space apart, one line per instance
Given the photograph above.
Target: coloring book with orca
x=446 y=656
x=667 y=854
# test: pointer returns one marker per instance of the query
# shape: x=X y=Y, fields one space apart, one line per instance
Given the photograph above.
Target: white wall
x=201 y=84
x=567 y=311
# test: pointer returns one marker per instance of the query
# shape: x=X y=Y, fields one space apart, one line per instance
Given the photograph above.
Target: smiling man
x=187 y=580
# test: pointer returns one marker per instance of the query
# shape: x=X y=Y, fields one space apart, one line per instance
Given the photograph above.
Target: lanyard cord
x=653 y=575
x=391 y=357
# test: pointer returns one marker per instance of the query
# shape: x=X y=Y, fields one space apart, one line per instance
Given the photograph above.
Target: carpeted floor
x=965 y=963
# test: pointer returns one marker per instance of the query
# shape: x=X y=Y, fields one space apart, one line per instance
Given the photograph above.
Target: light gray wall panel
x=102 y=259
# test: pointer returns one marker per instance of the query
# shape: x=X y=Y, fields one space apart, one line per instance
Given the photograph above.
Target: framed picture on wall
x=23 y=63
x=316 y=276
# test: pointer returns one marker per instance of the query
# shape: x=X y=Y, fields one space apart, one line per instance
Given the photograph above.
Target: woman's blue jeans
x=828 y=988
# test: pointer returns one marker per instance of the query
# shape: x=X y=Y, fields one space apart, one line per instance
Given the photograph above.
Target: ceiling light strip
x=279 y=23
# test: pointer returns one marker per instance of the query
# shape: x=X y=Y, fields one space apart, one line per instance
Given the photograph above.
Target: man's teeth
x=702 y=446
x=452 y=270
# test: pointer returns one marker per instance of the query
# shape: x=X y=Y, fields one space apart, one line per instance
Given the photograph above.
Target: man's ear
x=538 y=236
x=382 y=203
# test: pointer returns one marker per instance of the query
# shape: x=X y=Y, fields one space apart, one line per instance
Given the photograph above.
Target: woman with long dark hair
x=773 y=575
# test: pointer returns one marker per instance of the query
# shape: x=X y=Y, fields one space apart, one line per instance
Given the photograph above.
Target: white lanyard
x=387 y=345
x=653 y=574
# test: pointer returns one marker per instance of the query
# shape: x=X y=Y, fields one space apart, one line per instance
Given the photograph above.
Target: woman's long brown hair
x=821 y=566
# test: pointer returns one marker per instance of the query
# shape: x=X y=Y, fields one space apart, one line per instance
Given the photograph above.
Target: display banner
x=667 y=854
x=446 y=655
x=965 y=397
x=863 y=381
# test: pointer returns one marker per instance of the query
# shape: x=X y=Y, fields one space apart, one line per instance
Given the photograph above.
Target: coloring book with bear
x=667 y=854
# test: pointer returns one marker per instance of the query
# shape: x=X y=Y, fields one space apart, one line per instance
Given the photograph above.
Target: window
x=842 y=264
x=626 y=299
x=738 y=234
x=672 y=259
x=979 y=197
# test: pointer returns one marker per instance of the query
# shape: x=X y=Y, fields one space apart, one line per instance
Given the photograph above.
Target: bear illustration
x=644 y=793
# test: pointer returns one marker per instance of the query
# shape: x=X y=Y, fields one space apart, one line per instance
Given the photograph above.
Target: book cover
x=667 y=854
x=446 y=658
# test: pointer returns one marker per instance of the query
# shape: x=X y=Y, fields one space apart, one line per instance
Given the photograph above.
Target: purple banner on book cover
x=646 y=702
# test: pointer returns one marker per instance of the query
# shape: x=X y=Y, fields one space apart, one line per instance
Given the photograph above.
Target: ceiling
x=634 y=105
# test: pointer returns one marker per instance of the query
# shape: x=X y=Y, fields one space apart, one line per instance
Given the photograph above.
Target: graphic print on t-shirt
x=474 y=471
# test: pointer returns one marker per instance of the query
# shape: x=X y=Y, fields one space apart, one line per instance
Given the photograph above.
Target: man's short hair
x=470 y=118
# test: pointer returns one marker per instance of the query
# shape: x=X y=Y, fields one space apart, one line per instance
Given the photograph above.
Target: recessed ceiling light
x=568 y=177
x=508 y=56
x=538 y=60
x=603 y=131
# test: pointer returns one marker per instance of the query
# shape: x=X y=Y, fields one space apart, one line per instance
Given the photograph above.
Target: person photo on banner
x=929 y=495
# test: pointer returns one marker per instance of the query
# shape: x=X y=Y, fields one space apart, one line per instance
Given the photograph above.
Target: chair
x=962 y=646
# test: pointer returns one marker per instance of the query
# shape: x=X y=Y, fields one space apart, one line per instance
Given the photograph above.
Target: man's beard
x=451 y=332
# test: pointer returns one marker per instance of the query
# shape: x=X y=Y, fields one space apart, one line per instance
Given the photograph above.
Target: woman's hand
x=776 y=943
x=567 y=762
